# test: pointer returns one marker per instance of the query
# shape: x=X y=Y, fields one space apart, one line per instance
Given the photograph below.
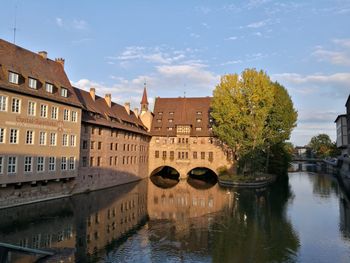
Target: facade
x=40 y=119
x=182 y=137
x=114 y=143
x=343 y=135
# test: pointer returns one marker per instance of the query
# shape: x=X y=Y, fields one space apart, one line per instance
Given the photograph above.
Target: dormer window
x=160 y=113
x=199 y=112
x=49 y=87
x=199 y=120
x=171 y=113
x=64 y=92
x=13 y=77
x=171 y=120
x=32 y=83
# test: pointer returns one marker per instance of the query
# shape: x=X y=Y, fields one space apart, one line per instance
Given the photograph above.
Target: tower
x=144 y=101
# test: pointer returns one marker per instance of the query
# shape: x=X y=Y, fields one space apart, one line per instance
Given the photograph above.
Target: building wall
x=208 y=150
x=23 y=123
x=110 y=157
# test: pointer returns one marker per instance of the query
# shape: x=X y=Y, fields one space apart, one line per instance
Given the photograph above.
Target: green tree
x=240 y=108
x=322 y=145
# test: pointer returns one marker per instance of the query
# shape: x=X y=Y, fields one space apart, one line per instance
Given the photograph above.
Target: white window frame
x=64 y=92
x=42 y=138
x=3 y=103
x=31 y=108
x=32 y=83
x=74 y=116
x=54 y=112
x=49 y=87
x=12 y=166
x=30 y=134
x=14 y=134
x=2 y=135
x=73 y=140
x=65 y=139
x=28 y=166
x=13 y=77
x=43 y=110
x=53 y=139
x=65 y=114
x=64 y=163
x=16 y=105
x=40 y=166
x=52 y=164
x=71 y=163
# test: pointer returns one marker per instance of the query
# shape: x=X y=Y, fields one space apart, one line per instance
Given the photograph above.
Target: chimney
x=127 y=107
x=108 y=99
x=136 y=111
x=92 y=93
x=43 y=54
x=60 y=60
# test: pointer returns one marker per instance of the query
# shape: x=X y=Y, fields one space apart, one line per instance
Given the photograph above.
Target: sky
x=181 y=48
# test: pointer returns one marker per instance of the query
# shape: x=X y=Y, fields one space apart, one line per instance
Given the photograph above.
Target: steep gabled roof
x=28 y=64
x=171 y=112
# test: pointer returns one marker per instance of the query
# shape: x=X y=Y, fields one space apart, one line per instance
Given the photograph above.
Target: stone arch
x=213 y=170
x=158 y=169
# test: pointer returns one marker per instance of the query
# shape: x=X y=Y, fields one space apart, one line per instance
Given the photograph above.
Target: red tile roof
x=144 y=97
x=28 y=64
x=115 y=116
x=171 y=112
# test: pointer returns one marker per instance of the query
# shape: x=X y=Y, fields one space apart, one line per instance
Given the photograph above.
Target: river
x=303 y=219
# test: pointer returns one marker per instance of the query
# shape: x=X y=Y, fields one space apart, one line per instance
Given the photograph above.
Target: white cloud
x=334 y=57
x=257 y=24
x=345 y=42
x=231 y=62
x=59 y=21
x=79 y=24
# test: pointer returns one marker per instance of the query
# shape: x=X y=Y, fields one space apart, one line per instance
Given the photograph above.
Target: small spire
x=144 y=101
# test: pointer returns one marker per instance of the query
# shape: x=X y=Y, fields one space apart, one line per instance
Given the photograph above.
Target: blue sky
x=183 y=47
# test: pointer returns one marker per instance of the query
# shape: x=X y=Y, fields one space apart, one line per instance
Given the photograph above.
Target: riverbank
x=246 y=181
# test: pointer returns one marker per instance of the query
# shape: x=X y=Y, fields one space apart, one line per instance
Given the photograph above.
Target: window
x=156 y=154
x=85 y=144
x=92 y=145
x=12 y=165
x=202 y=155
x=13 y=77
x=65 y=140
x=42 y=138
x=194 y=155
x=64 y=92
x=164 y=154
x=54 y=112
x=110 y=160
x=31 y=108
x=53 y=137
x=198 y=128
x=171 y=155
x=84 y=161
x=2 y=135
x=99 y=131
x=199 y=120
x=91 y=161
x=43 y=111
x=52 y=163
x=66 y=115
x=64 y=163
x=40 y=164
x=71 y=163
x=199 y=112
x=32 y=83
x=98 y=161
x=13 y=136
x=30 y=137
x=3 y=103
x=16 y=105
x=116 y=147
x=74 y=116
x=99 y=145
x=171 y=120
x=211 y=156
x=1 y=164
x=72 y=140
x=49 y=87
x=28 y=161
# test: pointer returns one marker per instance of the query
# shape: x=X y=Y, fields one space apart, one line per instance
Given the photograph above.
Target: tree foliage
x=251 y=114
x=323 y=146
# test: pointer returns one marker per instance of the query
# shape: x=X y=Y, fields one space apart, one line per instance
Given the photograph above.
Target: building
x=40 y=119
x=343 y=134
x=114 y=143
x=182 y=137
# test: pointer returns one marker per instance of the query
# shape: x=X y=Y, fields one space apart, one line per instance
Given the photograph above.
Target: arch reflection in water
x=201 y=178
x=165 y=177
